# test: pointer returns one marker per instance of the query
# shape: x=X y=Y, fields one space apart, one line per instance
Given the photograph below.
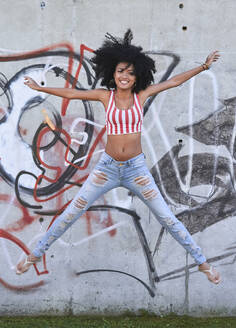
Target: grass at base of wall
x=116 y=322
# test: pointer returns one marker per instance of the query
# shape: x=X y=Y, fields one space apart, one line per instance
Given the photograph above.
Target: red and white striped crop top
x=124 y=121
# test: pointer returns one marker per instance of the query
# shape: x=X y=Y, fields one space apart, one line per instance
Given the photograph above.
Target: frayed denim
x=134 y=175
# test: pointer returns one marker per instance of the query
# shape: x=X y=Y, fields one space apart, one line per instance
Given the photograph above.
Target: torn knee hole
x=169 y=221
x=80 y=203
x=69 y=217
x=149 y=194
x=63 y=224
x=99 y=178
x=182 y=234
x=142 y=180
x=51 y=239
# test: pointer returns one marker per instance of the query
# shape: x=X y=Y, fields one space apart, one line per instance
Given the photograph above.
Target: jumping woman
x=127 y=73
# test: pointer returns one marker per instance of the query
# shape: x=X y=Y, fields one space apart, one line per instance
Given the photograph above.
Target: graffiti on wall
x=43 y=160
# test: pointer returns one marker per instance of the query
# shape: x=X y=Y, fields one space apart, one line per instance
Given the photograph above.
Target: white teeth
x=124 y=82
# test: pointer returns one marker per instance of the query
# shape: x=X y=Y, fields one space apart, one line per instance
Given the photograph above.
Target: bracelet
x=205 y=66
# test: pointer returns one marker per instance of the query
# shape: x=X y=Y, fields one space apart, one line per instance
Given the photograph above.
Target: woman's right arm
x=69 y=93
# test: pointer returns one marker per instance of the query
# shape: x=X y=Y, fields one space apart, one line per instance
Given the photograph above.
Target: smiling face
x=124 y=76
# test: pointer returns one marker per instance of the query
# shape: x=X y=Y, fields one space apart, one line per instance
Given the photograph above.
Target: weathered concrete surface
x=189 y=142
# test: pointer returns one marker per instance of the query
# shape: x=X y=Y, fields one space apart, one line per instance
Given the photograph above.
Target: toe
x=19 y=266
x=22 y=266
x=214 y=277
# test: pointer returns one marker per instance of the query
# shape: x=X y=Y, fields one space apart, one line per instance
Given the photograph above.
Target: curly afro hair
x=116 y=50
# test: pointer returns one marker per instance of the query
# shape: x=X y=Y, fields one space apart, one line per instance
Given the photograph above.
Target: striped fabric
x=123 y=121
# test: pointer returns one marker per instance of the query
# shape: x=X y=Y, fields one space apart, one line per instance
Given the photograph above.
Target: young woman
x=127 y=73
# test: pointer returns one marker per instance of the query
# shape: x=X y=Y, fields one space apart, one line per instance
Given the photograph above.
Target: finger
x=214 y=53
x=47 y=120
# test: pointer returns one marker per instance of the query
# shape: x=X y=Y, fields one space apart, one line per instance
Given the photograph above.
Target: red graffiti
x=66 y=101
x=19 y=243
x=106 y=223
x=6 y=235
x=57 y=168
x=25 y=220
x=35 y=53
x=22 y=288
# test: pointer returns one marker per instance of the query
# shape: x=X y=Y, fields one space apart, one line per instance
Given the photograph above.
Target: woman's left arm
x=180 y=78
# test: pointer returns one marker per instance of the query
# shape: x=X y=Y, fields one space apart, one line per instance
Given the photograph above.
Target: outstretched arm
x=69 y=93
x=179 y=79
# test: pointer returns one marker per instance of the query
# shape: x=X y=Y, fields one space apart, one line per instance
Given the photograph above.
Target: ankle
x=204 y=266
x=31 y=257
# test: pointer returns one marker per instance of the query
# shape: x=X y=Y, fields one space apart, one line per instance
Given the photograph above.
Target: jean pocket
x=140 y=162
x=104 y=162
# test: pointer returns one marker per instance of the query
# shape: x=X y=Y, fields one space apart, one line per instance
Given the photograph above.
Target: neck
x=124 y=99
x=124 y=94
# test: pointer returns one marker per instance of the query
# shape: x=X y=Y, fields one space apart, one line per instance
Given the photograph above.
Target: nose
x=125 y=74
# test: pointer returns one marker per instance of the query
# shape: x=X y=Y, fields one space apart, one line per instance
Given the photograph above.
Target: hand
x=214 y=56
x=31 y=83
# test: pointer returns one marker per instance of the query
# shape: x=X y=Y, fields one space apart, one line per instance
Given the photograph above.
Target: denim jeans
x=134 y=175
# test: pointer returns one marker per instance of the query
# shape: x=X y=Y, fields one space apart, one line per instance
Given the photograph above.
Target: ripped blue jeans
x=134 y=175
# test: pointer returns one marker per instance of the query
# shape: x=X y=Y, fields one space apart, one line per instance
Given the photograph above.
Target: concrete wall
x=189 y=142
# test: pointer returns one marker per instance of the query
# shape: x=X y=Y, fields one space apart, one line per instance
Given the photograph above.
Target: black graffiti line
x=7 y=93
x=58 y=53
x=199 y=215
x=58 y=71
x=171 y=67
x=158 y=242
x=32 y=103
x=153 y=276
x=70 y=171
x=17 y=191
x=209 y=260
x=152 y=294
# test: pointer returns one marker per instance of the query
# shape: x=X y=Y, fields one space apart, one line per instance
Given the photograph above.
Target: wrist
x=39 y=88
x=205 y=66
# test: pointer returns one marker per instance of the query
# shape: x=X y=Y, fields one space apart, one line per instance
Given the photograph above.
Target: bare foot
x=26 y=263
x=211 y=273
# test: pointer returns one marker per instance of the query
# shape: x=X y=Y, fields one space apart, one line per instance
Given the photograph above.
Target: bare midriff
x=124 y=146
